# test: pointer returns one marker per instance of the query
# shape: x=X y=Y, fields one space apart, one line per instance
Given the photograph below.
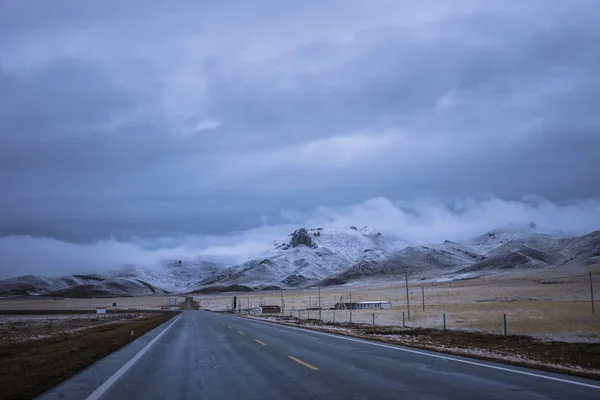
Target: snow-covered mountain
x=304 y=257
x=327 y=256
x=424 y=261
x=495 y=252
x=539 y=250
x=88 y=285
x=307 y=256
x=129 y=280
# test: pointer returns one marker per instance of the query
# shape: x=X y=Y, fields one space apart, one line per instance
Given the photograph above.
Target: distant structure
x=344 y=305
x=340 y=305
x=189 y=303
x=361 y=305
x=173 y=304
x=265 y=309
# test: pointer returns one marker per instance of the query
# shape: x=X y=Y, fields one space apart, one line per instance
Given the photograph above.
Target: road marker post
x=504 y=324
x=373 y=319
x=403 y=321
x=444 y=321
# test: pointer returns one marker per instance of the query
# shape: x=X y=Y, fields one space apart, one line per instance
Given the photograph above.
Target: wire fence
x=533 y=311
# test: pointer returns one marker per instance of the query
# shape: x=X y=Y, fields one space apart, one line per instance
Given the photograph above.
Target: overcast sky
x=148 y=120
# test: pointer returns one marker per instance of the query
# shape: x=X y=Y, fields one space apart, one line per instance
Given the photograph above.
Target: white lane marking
x=433 y=355
x=99 y=392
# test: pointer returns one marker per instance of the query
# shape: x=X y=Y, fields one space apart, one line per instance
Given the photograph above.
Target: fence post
x=504 y=324
x=373 y=319
x=407 y=297
x=403 y=324
x=444 y=321
x=592 y=293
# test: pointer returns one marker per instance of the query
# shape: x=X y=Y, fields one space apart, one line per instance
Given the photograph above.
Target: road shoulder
x=83 y=383
x=461 y=344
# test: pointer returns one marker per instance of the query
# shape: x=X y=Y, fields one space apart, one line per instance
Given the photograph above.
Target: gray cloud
x=142 y=119
x=415 y=222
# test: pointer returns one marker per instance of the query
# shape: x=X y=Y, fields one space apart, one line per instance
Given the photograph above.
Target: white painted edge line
x=99 y=392
x=398 y=348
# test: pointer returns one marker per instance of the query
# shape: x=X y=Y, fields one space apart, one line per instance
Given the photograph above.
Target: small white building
x=265 y=309
x=370 y=305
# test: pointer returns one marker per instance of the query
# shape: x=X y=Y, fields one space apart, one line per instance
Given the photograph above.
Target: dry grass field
x=555 y=308
x=552 y=305
x=39 y=351
x=123 y=303
x=560 y=311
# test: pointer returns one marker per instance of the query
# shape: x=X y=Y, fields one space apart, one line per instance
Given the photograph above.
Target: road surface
x=204 y=355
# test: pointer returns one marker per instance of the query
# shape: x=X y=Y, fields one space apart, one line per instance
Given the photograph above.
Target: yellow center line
x=307 y=365
x=241 y=333
x=258 y=341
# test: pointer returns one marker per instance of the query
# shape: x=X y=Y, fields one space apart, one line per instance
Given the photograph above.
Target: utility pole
x=423 y=296
x=282 y=302
x=407 y=299
x=592 y=293
x=261 y=300
x=319 y=302
x=309 y=302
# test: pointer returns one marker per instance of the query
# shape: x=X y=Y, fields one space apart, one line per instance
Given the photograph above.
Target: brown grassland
x=38 y=352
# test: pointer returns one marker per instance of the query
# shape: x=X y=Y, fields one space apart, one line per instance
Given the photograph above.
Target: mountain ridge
x=327 y=257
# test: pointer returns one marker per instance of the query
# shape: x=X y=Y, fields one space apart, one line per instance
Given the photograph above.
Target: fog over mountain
x=410 y=223
x=138 y=131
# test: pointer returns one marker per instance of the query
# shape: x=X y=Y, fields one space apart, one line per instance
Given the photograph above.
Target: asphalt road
x=204 y=355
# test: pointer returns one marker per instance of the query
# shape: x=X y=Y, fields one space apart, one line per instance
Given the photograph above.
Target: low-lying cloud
x=150 y=130
x=411 y=222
